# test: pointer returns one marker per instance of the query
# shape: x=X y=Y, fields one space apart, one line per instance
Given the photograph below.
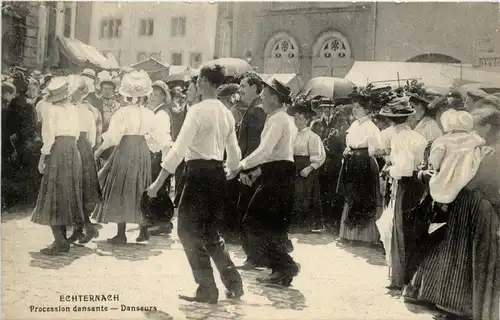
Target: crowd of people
x=408 y=170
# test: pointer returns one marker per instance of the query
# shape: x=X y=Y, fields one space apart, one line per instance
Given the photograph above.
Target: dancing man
x=208 y=130
x=268 y=214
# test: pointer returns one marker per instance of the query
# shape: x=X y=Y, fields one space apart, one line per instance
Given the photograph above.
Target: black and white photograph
x=248 y=160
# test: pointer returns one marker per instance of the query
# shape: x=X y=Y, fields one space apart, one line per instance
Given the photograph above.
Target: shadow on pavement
x=225 y=309
x=40 y=260
x=373 y=256
x=158 y=315
x=313 y=238
x=134 y=251
x=18 y=212
x=280 y=297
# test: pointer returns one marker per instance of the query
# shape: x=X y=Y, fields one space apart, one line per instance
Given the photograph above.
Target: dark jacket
x=251 y=127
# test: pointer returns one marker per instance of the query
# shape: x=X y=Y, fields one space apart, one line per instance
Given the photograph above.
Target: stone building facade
x=325 y=38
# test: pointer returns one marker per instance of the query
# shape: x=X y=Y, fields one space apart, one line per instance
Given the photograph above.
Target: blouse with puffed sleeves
x=59 y=120
x=308 y=143
x=407 y=151
x=129 y=120
x=87 y=123
x=363 y=133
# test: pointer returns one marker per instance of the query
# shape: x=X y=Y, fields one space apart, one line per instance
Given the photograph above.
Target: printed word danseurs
x=102 y=299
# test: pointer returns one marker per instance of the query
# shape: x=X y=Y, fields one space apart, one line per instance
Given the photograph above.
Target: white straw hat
x=136 y=84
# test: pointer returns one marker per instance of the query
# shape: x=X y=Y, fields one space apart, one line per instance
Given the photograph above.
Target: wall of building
x=19 y=34
x=380 y=32
x=307 y=23
x=83 y=21
x=460 y=30
x=201 y=21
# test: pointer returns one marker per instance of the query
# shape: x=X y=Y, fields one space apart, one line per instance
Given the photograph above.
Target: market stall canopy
x=290 y=79
x=156 y=69
x=234 y=67
x=328 y=87
x=81 y=54
x=431 y=74
x=150 y=65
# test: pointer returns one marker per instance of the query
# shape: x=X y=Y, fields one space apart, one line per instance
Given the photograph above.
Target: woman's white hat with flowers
x=136 y=84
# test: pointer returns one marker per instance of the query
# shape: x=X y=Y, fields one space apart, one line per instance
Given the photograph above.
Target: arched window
x=332 y=55
x=284 y=48
x=281 y=54
x=433 y=58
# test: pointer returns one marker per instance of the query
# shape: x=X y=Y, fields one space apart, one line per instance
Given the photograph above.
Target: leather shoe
x=200 y=298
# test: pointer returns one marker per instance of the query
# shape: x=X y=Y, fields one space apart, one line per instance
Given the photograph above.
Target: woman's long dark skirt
x=307 y=207
x=124 y=179
x=409 y=228
x=269 y=212
x=59 y=201
x=363 y=201
x=462 y=272
x=90 y=184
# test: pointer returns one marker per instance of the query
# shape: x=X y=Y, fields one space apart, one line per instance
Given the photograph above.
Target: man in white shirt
x=208 y=130
x=160 y=143
x=269 y=211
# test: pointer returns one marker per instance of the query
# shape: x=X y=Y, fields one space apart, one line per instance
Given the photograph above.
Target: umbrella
x=234 y=67
x=490 y=87
x=182 y=76
x=328 y=87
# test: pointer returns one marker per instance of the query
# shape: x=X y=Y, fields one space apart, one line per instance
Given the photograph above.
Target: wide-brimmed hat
x=302 y=106
x=36 y=74
x=280 y=88
x=418 y=98
x=77 y=83
x=88 y=73
x=136 y=84
x=476 y=94
x=323 y=103
x=398 y=107
x=342 y=102
x=58 y=89
x=163 y=86
x=105 y=78
x=227 y=90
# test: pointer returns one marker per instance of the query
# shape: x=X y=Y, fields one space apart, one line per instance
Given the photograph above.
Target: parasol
x=491 y=87
x=234 y=67
x=328 y=87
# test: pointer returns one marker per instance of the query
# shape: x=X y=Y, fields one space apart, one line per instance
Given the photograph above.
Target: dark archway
x=433 y=58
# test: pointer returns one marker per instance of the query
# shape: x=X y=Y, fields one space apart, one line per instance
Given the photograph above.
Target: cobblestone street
x=336 y=282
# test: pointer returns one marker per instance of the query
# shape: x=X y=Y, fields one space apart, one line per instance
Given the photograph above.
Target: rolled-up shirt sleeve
x=317 y=154
x=233 y=151
x=178 y=151
x=270 y=136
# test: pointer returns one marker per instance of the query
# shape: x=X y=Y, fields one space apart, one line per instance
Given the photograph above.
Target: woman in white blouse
x=128 y=171
x=360 y=175
x=309 y=155
x=404 y=225
x=59 y=202
x=91 y=195
x=424 y=118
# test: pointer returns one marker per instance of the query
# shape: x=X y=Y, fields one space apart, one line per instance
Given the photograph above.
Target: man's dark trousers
x=201 y=208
